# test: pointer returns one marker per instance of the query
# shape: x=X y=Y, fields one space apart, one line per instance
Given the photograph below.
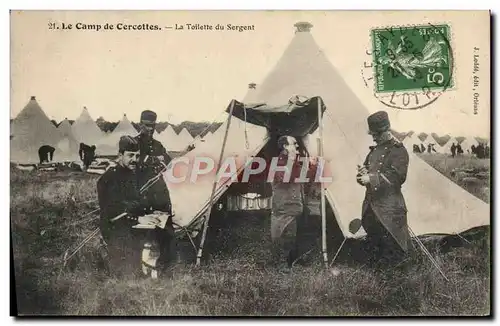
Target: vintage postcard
x=250 y=163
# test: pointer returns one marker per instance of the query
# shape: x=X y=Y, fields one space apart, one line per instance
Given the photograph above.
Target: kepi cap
x=128 y=143
x=378 y=122
x=148 y=116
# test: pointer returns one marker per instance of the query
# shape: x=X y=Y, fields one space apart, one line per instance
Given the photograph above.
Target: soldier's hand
x=148 y=220
x=363 y=179
x=362 y=169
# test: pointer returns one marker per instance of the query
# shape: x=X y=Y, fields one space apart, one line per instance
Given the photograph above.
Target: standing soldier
x=152 y=160
x=118 y=193
x=87 y=154
x=383 y=174
x=287 y=216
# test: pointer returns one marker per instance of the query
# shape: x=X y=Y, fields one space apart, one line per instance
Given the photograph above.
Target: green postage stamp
x=413 y=58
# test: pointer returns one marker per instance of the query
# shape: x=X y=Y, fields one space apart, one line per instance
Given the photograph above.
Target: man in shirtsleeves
x=384 y=213
x=288 y=205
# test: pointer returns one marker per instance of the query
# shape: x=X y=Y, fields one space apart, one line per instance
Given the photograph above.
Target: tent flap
x=297 y=118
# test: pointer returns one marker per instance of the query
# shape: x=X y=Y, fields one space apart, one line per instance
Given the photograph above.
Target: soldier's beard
x=380 y=138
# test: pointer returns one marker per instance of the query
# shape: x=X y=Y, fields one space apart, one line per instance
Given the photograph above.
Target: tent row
x=32 y=129
x=467 y=144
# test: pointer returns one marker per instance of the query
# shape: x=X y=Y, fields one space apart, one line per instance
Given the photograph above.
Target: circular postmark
x=409 y=67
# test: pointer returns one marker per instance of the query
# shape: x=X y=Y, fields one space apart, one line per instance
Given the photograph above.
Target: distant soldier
x=459 y=149
x=383 y=174
x=453 y=150
x=46 y=153
x=422 y=148
x=118 y=192
x=87 y=154
x=152 y=161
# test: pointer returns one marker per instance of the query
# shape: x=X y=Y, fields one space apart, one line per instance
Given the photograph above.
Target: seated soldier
x=118 y=193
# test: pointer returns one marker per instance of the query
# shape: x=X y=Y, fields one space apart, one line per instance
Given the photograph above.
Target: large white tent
x=435 y=204
x=31 y=129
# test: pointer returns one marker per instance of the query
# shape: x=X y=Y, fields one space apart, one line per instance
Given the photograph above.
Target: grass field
x=236 y=278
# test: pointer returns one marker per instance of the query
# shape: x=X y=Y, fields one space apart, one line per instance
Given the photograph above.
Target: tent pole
x=209 y=210
x=323 y=203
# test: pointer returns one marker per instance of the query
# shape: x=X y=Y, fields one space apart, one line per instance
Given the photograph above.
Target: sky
x=194 y=74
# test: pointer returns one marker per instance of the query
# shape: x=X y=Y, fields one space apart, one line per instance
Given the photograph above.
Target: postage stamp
x=411 y=65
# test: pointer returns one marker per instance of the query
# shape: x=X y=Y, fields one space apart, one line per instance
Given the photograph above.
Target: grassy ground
x=236 y=278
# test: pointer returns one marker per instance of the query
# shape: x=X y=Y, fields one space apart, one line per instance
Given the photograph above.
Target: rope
x=427 y=253
x=247 y=144
x=338 y=251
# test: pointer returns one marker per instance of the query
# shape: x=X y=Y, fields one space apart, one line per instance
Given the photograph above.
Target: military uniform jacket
x=152 y=155
x=118 y=192
x=387 y=165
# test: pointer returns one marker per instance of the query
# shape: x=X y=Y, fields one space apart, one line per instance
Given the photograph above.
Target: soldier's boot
x=149 y=263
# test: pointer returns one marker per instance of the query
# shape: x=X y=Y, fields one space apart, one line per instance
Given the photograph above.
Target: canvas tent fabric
x=31 y=129
x=296 y=118
x=67 y=148
x=409 y=141
x=167 y=137
x=184 y=138
x=109 y=144
x=250 y=95
x=467 y=143
x=446 y=149
x=86 y=130
x=435 y=204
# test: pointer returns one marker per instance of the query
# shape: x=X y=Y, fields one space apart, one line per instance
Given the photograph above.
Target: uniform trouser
x=124 y=254
x=381 y=243
x=287 y=221
x=127 y=254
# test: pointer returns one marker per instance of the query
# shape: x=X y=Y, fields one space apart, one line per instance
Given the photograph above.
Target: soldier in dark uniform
x=384 y=213
x=46 y=153
x=152 y=160
x=117 y=192
x=87 y=154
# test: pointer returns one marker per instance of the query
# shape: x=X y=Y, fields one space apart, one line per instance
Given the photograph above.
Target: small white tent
x=467 y=144
x=109 y=144
x=67 y=148
x=446 y=149
x=86 y=130
x=184 y=139
x=171 y=140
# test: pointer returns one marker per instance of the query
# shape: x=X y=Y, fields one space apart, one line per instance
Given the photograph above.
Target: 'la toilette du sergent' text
x=217 y=27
